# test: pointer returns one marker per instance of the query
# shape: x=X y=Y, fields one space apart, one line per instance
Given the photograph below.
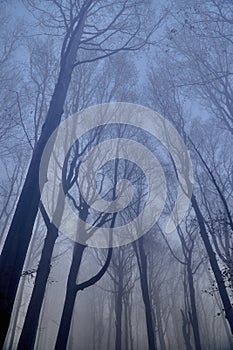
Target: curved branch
x=98 y=276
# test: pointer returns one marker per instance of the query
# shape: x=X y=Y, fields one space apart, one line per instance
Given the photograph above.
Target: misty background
x=161 y=291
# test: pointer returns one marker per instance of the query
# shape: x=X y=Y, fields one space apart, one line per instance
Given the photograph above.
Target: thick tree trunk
x=13 y=331
x=28 y=335
x=214 y=265
x=66 y=319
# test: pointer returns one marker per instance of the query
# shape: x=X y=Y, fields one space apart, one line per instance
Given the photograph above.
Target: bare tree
x=125 y=29
x=121 y=273
x=174 y=109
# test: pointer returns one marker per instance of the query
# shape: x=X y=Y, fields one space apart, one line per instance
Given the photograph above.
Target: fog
x=116 y=186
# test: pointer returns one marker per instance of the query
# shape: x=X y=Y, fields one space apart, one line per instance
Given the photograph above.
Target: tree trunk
x=28 y=335
x=66 y=319
x=130 y=324
x=71 y=344
x=20 y=296
x=19 y=235
x=185 y=330
x=193 y=316
x=159 y=321
x=145 y=295
x=72 y=287
x=13 y=330
x=118 y=312
x=110 y=323
x=94 y=328
x=70 y=297
x=126 y=323
x=214 y=265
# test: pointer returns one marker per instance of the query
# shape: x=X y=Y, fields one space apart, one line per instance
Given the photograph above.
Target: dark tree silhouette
x=78 y=38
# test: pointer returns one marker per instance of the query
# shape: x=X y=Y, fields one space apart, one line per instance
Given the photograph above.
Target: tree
x=81 y=33
x=173 y=106
x=189 y=316
x=120 y=272
x=143 y=270
x=82 y=92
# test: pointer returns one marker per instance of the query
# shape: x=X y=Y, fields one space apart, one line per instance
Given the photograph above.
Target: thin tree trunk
x=118 y=312
x=177 y=336
x=186 y=321
x=145 y=294
x=100 y=327
x=94 y=329
x=110 y=323
x=185 y=330
x=130 y=326
x=159 y=321
x=70 y=297
x=214 y=265
x=205 y=322
x=193 y=316
x=126 y=324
